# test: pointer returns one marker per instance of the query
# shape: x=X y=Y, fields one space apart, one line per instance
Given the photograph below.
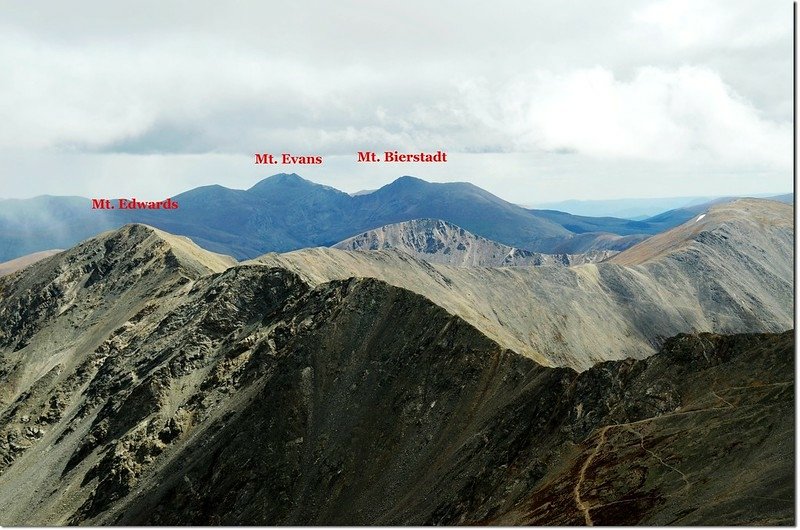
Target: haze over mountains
x=149 y=381
x=285 y=212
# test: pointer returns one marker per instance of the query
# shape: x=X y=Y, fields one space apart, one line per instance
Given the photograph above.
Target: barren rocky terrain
x=144 y=380
x=438 y=241
x=729 y=272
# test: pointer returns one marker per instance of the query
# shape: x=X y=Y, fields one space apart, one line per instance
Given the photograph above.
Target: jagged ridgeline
x=438 y=241
x=148 y=381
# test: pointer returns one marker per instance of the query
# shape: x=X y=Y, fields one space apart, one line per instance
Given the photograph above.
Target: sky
x=534 y=100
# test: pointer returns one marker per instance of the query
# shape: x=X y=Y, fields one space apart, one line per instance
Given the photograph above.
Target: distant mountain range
x=286 y=212
x=636 y=209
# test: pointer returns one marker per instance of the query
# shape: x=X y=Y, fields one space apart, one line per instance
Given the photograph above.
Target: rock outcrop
x=442 y=242
x=730 y=272
x=147 y=381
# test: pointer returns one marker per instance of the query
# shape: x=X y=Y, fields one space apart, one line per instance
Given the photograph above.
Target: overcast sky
x=533 y=100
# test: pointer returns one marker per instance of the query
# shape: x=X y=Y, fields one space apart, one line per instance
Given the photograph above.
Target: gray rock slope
x=146 y=381
x=438 y=241
x=729 y=271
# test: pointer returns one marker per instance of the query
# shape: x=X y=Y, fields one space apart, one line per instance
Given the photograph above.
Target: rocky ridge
x=732 y=272
x=438 y=241
x=146 y=381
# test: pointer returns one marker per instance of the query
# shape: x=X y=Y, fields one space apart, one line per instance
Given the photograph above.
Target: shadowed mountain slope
x=286 y=212
x=733 y=273
x=146 y=381
x=55 y=308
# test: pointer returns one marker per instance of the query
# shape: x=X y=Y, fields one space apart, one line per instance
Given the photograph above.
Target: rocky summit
x=148 y=381
x=729 y=272
x=438 y=241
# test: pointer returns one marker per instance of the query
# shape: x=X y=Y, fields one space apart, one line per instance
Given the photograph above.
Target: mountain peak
x=406 y=181
x=410 y=183
x=281 y=179
x=443 y=242
x=137 y=238
x=291 y=185
x=112 y=270
x=288 y=177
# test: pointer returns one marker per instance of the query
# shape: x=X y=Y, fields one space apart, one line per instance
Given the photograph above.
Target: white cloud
x=657 y=115
x=701 y=85
x=714 y=23
x=224 y=99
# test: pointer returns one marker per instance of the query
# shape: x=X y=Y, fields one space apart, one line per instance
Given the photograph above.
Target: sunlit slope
x=146 y=381
x=7 y=267
x=729 y=272
x=438 y=241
